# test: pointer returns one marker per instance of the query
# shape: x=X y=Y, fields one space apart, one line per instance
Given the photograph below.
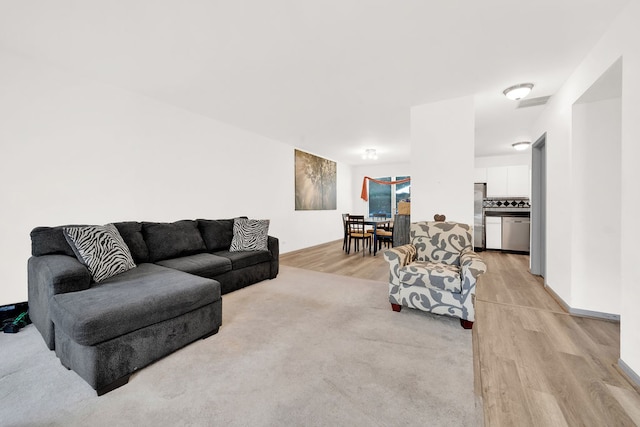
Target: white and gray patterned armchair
x=437 y=271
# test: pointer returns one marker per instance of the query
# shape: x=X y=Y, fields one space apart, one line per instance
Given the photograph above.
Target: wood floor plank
x=534 y=364
x=628 y=399
x=533 y=353
x=506 y=400
x=545 y=409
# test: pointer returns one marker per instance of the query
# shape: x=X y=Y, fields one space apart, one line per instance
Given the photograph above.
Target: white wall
x=523 y=158
x=621 y=40
x=596 y=206
x=372 y=170
x=442 y=160
x=76 y=151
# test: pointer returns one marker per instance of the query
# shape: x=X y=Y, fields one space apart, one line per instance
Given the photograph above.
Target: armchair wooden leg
x=396 y=307
x=466 y=324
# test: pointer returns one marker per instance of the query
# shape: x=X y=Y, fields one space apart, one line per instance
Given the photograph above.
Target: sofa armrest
x=273 y=245
x=49 y=275
x=471 y=263
x=59 y=273
x=397 y=258
x=472 y=266
x=400 y=255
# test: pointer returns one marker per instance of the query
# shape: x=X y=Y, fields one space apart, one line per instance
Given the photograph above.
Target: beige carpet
x=304 y=349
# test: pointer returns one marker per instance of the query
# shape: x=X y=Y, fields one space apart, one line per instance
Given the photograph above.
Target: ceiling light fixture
x=370 y=154
x=518 y=91
x=522 y=145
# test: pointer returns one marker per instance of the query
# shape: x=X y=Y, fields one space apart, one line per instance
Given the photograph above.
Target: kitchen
x=502 y=208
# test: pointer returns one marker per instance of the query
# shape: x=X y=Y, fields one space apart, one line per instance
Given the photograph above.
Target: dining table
x=376 y=222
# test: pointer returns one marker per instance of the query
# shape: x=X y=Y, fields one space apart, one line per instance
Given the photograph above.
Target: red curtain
x=365 y=194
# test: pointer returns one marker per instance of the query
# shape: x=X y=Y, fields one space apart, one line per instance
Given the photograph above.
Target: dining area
x=366 y=233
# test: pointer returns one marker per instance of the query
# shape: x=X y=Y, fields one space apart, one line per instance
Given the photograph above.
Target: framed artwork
x=315 y=182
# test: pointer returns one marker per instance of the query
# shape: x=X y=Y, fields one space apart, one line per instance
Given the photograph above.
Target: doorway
x=538 y=258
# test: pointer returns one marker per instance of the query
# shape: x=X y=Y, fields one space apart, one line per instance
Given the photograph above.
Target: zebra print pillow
x=101 y=249
x=249 y=235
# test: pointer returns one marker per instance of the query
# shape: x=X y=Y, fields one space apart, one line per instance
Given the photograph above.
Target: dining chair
x=345 y=230
x=358 y=232
x=384 y=236
x=377 y=216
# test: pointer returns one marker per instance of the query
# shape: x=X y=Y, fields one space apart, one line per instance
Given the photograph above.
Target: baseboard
x=310 y=247
x=12 y=310
x=632 y=376
x=556 y=297
x=579 y=312
x=595 y=314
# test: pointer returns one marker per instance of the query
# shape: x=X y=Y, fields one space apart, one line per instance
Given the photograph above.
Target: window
x=403 y=191
x=380 y=197
x=384 y=198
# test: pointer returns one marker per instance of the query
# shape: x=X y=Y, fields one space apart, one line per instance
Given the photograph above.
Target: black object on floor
x=12 y=326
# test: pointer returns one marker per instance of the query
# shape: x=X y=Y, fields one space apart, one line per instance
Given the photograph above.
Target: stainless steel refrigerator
x=479 y=194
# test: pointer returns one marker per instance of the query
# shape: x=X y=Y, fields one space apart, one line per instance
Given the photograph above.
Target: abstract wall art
x=315 y=182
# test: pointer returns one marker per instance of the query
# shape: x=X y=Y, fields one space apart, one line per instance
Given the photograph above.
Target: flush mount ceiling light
x=370 y=154
x=522 y=145
x=518 y=91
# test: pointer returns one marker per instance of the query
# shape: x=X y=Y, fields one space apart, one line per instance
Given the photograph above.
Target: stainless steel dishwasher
x=515 y=233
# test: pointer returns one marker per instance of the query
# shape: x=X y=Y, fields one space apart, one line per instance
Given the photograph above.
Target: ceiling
x=332 y=77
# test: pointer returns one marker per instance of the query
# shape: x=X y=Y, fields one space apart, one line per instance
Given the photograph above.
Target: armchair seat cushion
x=428 y=274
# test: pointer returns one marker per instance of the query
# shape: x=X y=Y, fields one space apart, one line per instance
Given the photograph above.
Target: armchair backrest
x=440 y=241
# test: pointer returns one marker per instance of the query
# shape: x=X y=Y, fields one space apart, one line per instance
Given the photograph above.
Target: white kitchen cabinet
x=497 y=181
x=518 y=181
x=508 y=181
x=493 y=230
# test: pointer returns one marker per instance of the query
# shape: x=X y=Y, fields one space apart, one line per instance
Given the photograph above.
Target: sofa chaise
x=167 y=296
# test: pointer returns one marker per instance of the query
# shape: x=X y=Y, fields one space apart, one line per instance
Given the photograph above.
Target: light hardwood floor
x=534 y=364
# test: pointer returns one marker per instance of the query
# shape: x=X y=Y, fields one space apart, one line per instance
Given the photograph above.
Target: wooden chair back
x=356 y=226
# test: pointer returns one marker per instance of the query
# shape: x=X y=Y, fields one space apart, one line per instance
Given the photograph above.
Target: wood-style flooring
x=534 y=364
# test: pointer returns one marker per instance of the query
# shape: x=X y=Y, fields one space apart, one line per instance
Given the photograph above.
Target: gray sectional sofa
x=105 y=331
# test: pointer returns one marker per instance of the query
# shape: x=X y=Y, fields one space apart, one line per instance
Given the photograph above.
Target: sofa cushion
x=428 y=274
x=131 y=233
x=245 y=259
x=101 y=249
x=205 y=265
x=217 y=234
x=172 y=240
x=142 y=296
x=50 y=241
x=249 y=235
